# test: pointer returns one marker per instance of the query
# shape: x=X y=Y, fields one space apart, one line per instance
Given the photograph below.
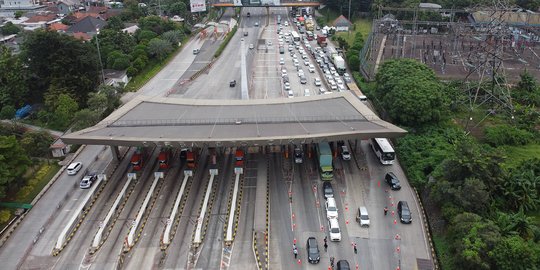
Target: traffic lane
x=414 y=244
x=42 y=213
x=73 y=253
x=107 y=255
x=147 y=252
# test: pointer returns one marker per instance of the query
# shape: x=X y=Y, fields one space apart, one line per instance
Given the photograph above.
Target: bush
x=7 y=112
x=507 y=135
x=5 y=215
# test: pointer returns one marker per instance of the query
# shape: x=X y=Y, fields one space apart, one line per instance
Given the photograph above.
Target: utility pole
x=349 y=11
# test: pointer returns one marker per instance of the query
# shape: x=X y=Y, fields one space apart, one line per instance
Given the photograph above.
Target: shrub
x=7 y=112
x=507 y=135
x=5 y=215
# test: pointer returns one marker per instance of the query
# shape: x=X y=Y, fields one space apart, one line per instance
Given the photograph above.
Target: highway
x=296 y=200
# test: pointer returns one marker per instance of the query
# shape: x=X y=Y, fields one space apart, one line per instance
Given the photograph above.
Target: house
x=40 y=20
x=58 y=27
x=18 y=4
x=115 y=77
x=131 y=29
x=342 y=24
x=88 y=25
x=67 y=6
x=59 y=148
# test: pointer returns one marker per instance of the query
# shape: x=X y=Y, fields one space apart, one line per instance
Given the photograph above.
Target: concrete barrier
x=167 y=233
x=229 y=236
x=197 y=239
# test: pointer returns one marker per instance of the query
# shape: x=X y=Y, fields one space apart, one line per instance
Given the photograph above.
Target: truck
x=309 y=25
x=191 y=159
x=325 y=161
x=298 y=155
x=164 y=158
x=339 y=62
x=138 y=159
x=321 y=40
x=239 y=159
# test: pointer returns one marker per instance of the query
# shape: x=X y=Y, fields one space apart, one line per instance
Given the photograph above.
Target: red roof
x=41 y=18
x=82 y=36
x=58 y=27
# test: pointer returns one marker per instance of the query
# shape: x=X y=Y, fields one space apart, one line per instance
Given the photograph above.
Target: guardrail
x=167 y=233
x=105 y=223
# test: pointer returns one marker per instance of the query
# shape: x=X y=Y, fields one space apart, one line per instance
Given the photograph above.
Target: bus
x=310 y=36
x=383 y=150
x=295 y=36
x=325 y=161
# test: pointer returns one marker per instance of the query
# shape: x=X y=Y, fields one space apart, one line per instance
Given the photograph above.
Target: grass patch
x=225 y=42
x=151 y=70
x=29 y=192
x=517 y=154
x=442 y=247
x=362 y=26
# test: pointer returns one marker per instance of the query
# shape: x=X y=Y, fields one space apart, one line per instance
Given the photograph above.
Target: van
x=331 y=208
x=345 y=154
x=196 y=51
x=362 y=216
x=281 y=50
x=74 y=168
x=333 y=229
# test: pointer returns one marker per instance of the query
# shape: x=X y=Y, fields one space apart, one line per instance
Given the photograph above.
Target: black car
x=232 y=83
x=343 y=265
x=404 y=212
x=392 y=181
x=328 y=191
x=312 y=248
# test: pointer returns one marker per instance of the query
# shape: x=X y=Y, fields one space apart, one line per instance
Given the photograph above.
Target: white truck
x=339 y=62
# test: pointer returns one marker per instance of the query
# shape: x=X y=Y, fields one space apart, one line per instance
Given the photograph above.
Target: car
x=298 y=155
x=303 y=80
x=248 y=14
x=74 y=168
x=333 y=85
x=269 y=43
x=300 y=72
x=290 y=48
x=317 y=82
x=281 y=61
x=341 y=88
x=245 y=34
x=196 y=51
x=362 y=216
x=404 y=212
x=304 y=56
x=333 y=229
x=331 y=208
x=251 y=46
x=296 y=63
x=393 y=181
x=328 y=191
x=287 y=86
x=343 y=265
x=232 y=83
x=307 y=93
x=295 y=57
x=311 y=69
x=290 y=94
x=306 y=63
x=286 y=78
x=88 y=180
x=312 y=248
x=345 y=154
x=322 y=91
x=286 y=23
x=256 y=23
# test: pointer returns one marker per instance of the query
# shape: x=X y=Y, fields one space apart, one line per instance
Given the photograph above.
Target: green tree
x=7 y=112
x=156 y=24
x=9 y=29
x=13 y=89
x=173 y=37
x=159 y=48
x=118 y=60
x=132 y=71
x=18 y=14
x=513 y=253
x=85 y=118
x=64 y=112
x=521 y=190
x=145 y=35
x=177 y=8
x=115 y=23
x=13 y=164
x=36 y=143
x=59 y=62
x=410 y=93
x=527 y=91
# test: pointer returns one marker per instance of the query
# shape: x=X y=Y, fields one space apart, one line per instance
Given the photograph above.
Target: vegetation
x=486 y=188
x=225 y=42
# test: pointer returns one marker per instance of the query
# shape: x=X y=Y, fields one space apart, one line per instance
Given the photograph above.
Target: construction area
x=475 y=44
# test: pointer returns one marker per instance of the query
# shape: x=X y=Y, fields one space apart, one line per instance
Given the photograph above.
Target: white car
x=88 y=180
x=331 y=208
x=287 y=86
x=286 y=23
x=322 y=91
x=307 y=93
x=333 y=85
x=290 y=94
x=281 y=61
x=74 y=168
x=311 y=69
x=317 y=82
x=251 y=46
x=301 y=73
x=333 y=229
x=306 y=63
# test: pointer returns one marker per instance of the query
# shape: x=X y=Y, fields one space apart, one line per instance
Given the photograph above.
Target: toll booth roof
x=189 y=122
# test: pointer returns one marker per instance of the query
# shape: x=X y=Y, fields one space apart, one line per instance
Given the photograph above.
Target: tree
x=513 y=253
x=105 y=100
x=18 y=14
x=177 y=8
x=159 y=48
x=13 y=164
x=521 y=190
x=115 y=23
x=173 y=37
x=527 y=91
x=118 y=60
x=36 y=143
x=56 y=62
x=410 y=93
x=9 y=29
x=64 y=112
x=7 y=112
x=13 y=88
x=85 y=118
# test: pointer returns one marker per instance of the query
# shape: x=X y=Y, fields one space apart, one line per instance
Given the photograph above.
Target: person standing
x=385 y=210
x=295 y=251
x=325 y=246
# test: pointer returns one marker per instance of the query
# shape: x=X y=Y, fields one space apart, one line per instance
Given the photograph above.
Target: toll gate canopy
x=163 y=121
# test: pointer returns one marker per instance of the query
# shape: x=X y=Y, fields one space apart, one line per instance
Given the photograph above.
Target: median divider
x=199 y=234
x=131 y=237
x=229 y=237
x=166 y=239
x=81 y=211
